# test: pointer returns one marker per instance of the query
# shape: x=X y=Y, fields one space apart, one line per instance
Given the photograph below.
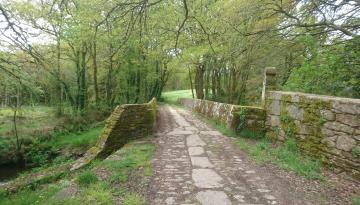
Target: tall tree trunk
x=95 y=70
x=244 y=76
x=109 y=78
x=191 y=84
x=83 y=89
x=199 y=81
x=58 y=65
x=207 y=82
x=213 y=84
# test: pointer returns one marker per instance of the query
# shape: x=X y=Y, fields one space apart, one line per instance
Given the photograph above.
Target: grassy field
x=30 y=119
x=172 y=96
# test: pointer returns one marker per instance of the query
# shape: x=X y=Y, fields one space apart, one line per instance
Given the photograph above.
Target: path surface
x=196 y=164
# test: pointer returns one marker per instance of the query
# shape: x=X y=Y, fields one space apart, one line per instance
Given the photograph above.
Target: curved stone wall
x=126 y=122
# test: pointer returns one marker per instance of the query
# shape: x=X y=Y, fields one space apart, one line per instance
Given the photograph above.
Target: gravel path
x=195 y=164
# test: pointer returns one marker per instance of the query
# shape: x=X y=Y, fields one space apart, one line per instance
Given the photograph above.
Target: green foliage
x=325 y=72
x=87 y=178
x=355 y=152
x=38 y=154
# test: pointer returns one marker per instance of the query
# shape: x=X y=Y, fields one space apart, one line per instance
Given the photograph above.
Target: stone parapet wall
x=219 y=111
x=325 y=127
x=128 y=121
x=236 y=117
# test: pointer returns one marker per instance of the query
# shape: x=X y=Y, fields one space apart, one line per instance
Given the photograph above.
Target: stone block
x=327 y=115
x=295 y=113
x=346 y=105
x=351 y=120
x=274 y=108
x=357 y=137
x=345 y=143
x=329 y=141
x=339 y=127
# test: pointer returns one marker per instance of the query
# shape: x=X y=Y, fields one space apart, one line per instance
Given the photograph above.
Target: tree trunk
x=191 y=84
x=95 y=70
x=199 y=81
x=58 y=52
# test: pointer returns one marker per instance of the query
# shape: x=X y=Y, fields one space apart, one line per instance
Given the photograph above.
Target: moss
x=312 y=117
x=355 y=152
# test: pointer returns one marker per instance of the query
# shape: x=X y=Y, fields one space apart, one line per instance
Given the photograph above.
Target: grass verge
x=286 y=156
x=356 y=200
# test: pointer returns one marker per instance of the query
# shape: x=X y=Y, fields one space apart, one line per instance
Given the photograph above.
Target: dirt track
x=195 y=164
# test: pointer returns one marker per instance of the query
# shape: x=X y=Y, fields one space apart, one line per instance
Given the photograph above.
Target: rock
x=328 y=115
x=327 y=132
x=329 y=141
x=206 y=178
x=274 y=107
x=209 y=197
x=202 y=162
x=345 y=143
x=357 y=137
x=347 y=105
x=339 y=127
x=295 y=112
x=194 y=140
x=303 y=128
x=275 y=120
x=295 y=99
x=196 y=151
x=347 y=119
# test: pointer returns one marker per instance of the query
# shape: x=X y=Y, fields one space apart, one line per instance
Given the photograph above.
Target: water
x=10 y=171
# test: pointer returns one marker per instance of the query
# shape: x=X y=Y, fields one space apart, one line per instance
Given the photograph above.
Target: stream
x=10 y=171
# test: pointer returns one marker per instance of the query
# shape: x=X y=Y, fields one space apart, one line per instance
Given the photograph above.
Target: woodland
x=65 y=64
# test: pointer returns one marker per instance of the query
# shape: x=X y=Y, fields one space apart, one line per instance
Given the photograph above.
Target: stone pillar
x=269 y=82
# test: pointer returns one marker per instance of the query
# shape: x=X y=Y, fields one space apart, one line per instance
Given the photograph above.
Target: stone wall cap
x=316 y=96
x=251 y=107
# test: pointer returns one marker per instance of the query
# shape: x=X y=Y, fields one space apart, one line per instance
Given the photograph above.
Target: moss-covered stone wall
x=241 y=119
x=325 y=127
x=126 y=122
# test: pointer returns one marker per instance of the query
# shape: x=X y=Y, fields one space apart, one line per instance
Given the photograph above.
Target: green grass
x=29 y=119
x=133 y=157
x=133 y=199
x=74 y=140
x=95 y=194
x=356 y=200
x=28 y=196
x=172 y=96
x=87 y=178
x=287 y=156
